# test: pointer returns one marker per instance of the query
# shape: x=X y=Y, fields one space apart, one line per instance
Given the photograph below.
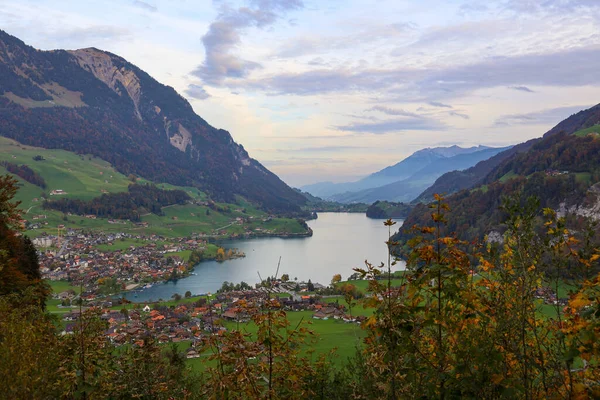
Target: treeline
x=25 y=172
x=388 y=209
x=18 y=257
x=560 y=152
x=131 y=205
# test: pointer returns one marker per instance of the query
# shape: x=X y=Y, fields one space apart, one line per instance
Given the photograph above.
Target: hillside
x=85 y=178
x=93 y=102
x=407 y=189
x=454 y=181
x=562 y=170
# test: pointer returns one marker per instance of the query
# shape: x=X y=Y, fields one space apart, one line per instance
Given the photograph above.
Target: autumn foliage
x=467 y=321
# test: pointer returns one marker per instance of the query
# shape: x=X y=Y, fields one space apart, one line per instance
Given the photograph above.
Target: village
x=81 y=258
x=195 y=321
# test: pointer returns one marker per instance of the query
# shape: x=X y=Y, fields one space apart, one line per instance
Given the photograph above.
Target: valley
x=144 y=253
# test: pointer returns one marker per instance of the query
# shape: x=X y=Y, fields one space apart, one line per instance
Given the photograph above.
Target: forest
x=131 y=205
x=466 y=321
x=23 y=171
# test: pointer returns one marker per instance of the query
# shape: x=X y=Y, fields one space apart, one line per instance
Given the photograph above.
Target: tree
x=336 y=279
x=484 y=337
x=188 y=294
x=285 y=278
x=220 y=254
x=18 y=258
x=349 y=291
x=310 y=286
x=176 y=297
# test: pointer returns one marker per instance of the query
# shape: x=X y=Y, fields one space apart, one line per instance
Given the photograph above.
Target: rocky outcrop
x=591 y=208
x=101 y=65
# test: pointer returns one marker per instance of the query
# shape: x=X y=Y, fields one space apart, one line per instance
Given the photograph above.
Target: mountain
x=93 y=102
x=454 y=181
x=407 y=189
x=397 y=172
x=562 y=170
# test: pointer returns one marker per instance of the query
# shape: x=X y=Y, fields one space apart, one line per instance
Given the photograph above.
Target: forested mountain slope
x=454 y=181
x=562 y=170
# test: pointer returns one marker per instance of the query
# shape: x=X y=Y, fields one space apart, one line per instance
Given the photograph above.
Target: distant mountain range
x=407 y=179
x=561 y=169
x=93 y=102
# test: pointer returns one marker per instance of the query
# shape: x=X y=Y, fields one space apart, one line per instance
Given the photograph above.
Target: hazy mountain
x=394 y=173
x=94 y=102
x=407 y=189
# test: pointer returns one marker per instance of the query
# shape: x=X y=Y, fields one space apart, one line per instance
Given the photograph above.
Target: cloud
x=323 y=81
x=196 y=92
x=224 y=34
x=535 y=6
x=92 y=34
x=325 y=149
x=472 y=8
x=143 y=5
x=395 y=125
x=302 y=161
x=550 y=69
x=434 y=84
x=464 y=33
x=392 y=111
x=328 y=44
x=521 y=88
x=438 y=104
x=547 y=116
x=457 y=114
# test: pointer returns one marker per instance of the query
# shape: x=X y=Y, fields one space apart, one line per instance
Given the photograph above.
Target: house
x=328 y=312
x=191 y=353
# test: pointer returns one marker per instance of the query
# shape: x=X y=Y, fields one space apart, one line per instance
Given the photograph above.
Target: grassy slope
x=592 y=130
x=86 y=177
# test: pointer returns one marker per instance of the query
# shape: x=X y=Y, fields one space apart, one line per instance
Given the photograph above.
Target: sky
x=333 y=90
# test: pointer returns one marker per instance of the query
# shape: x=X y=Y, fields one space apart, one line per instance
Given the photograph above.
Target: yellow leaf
x=579 y=301
x=497 y=378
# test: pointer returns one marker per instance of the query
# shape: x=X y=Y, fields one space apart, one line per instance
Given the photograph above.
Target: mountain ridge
x=95 y=102
x=393 y=173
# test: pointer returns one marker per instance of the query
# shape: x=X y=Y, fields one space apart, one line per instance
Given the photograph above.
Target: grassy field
x=61 y=286
x=592 y=130
x=85 y=177
x=81 y=177
x=509 y=175
x=583 y=177
x=330 y=334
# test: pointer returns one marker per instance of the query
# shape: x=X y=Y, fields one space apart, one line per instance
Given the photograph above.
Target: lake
x=340 y=242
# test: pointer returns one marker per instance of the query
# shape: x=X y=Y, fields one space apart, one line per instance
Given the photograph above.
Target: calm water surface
x=340 y=242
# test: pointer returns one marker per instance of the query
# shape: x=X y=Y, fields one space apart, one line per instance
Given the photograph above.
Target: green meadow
x=594 y=130
x=85 y=177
